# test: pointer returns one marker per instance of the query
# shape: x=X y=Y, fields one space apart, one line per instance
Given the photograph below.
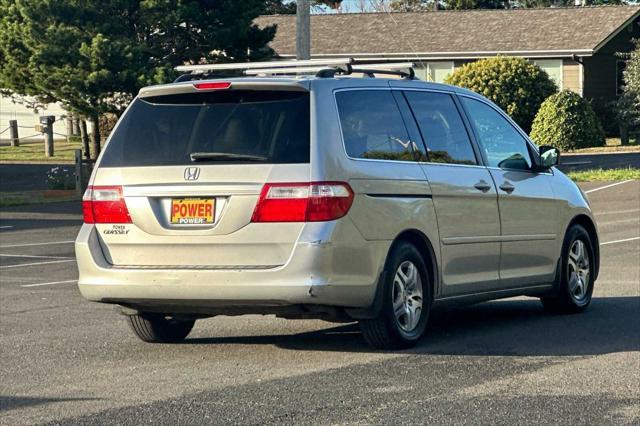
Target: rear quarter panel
x=390 y=196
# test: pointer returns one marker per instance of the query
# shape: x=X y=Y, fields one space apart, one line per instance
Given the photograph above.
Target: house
x=576 y=46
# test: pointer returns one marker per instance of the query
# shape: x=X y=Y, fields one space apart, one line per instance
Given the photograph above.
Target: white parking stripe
x=608 y=186
x=618 y=212
x=620 y=241
x=576 y=163
x=51 y=283
x=6 y=227
x=22 y=265
x=34 y=256
x=37 y=244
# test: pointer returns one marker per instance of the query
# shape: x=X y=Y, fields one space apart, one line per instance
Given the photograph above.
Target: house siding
x=571 y=76
x=600 y=69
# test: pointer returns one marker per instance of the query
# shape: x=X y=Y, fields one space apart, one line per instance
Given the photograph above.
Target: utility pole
x=303 y=30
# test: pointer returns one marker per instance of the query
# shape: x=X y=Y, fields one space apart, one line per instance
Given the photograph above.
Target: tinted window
x=372 y=125
x=503 y=145
x=272 y=126
x=442 y=128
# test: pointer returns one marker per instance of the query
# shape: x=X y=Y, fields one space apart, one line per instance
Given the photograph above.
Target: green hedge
x=514 y=84
x=567 y=121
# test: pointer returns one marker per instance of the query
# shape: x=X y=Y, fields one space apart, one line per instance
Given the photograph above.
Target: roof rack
x=402 y=69
x=256 y=65
x=320 y=68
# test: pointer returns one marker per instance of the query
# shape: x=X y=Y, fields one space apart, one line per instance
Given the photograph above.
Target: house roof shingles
x=444 y=33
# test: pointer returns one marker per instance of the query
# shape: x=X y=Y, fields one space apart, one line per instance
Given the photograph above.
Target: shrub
x=608 y=113
x=514 y=84
x=61 y=178
x=567 y=121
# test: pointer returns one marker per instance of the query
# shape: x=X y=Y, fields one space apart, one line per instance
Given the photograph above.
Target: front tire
x=157 y=328
x=574 y=286
x=406 y=301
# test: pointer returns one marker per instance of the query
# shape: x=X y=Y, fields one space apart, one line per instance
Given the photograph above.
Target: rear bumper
x=331 y=264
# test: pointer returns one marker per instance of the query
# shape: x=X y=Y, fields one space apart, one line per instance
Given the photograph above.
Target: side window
x=503 y=145
x=442 y=128
x=372 y=126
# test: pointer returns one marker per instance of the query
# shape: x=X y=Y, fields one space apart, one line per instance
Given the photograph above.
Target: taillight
x=303 y=202
x=216 y=85
x=104 y=204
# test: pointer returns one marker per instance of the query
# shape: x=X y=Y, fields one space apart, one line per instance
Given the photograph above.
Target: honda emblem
x=191 y=173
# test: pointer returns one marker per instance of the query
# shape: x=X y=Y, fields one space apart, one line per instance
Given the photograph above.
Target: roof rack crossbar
x=269 y=65
x=297 y=70
x=404 y=69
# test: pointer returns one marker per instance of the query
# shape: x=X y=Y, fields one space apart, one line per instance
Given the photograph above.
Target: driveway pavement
x=25 y=177
x=599 y=161
x=65 y=360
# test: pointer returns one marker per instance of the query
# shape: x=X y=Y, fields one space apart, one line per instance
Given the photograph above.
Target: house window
x=553 y=67
x=434 y=71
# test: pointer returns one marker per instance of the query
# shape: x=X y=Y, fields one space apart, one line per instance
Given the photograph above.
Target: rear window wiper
x=204 y=156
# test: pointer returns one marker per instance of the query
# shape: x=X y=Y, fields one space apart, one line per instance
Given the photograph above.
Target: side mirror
x=549 y=156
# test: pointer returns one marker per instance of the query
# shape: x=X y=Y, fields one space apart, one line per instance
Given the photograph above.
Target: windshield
x=237 y=126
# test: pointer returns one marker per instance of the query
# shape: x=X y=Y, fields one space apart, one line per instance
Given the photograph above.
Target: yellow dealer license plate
x=192 y=211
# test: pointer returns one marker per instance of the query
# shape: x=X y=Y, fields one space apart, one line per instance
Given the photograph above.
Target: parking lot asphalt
x=66 y=360
x=569 y=162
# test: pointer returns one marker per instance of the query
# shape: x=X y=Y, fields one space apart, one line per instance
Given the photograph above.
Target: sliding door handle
x=482 y=186
x=507 y=187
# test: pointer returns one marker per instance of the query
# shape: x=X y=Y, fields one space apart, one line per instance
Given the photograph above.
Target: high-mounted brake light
x=303 y=202
x=104 y=204
x=216 y=85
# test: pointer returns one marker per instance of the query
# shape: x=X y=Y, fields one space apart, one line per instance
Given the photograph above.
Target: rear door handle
x=507 y=187
x=482 y=186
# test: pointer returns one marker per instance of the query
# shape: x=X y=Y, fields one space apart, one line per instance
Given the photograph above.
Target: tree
x=567 y=3
x=628 y=104
x=279 y=7
x=93 y=57
x=426 y=5
x=413 y=5
x=514 y=84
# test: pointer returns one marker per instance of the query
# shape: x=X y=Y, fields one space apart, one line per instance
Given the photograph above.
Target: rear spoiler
x=245 y=84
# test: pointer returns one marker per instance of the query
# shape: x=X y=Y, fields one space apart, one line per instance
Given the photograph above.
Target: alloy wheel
x=578 y=271
x=407 y=296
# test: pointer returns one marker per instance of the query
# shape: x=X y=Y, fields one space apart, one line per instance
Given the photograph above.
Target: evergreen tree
x=93 y=57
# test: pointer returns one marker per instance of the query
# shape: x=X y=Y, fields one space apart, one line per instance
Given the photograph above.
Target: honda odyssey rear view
x=326 y=195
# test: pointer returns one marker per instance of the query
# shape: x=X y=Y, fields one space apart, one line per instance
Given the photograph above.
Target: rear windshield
x=230 y=126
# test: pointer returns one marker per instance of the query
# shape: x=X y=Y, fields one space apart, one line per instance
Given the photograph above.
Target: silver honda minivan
x=329 y=197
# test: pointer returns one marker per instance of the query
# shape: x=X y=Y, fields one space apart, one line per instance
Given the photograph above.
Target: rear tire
x=406 y=301
x=574 y=286
x=157 y=328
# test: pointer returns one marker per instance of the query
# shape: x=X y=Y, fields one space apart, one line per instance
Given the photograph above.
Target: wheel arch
x=424 y=246
x=587 y=223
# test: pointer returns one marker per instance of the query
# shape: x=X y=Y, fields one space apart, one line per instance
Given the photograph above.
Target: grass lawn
x=594 y=175
x=33 y=152
x=36 y=197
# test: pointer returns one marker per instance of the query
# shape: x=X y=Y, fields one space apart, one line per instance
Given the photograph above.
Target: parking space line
x=22 y=265
x=6 y=227
x=49 y=283
x=619 y=212
x=576 y=163
x=608 y=186
x=37 y=244
x=34 y=256
x=620 y=241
